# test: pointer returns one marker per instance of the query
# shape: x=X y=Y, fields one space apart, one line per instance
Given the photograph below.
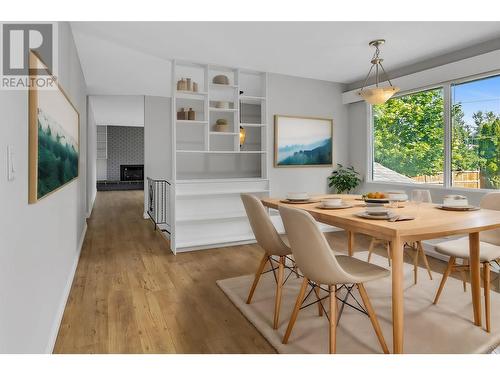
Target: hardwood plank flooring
x=132 y=295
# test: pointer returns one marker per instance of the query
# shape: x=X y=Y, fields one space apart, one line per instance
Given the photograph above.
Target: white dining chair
x=489 y=251
x=321 y=266
x=425 y=196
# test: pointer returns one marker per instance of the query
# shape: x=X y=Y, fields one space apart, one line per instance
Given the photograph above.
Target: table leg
x=397 y=295
x=475 y=276
x=350 y=243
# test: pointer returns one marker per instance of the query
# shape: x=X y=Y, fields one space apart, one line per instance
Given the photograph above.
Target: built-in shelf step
x=219 y=152
x=221 y=86
x=191 y=122
x=211 y=217
x=191 y=95
x=219 y=180
x=221 y=192
x=223 y=133
x=213 y=109
x=252 y=125
x=216 y=240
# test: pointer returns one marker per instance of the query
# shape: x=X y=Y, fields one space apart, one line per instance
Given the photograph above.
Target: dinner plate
x=299 y=202
x=345 y=205
x=458 y=208
x=364 y=215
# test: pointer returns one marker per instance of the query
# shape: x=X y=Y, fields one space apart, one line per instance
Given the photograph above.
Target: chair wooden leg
x=464 y=275
x=389 y=256
x=320 y=309
x=420 y=248
x=296 y=309
x=446 y=273
x=373 y=317
x=486 y=281
x=370 y=248
x=279 y=289
x=415 y=266
x=333 y=320
x=256 y=279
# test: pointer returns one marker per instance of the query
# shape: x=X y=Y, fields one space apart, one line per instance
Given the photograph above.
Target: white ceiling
x=133 y=57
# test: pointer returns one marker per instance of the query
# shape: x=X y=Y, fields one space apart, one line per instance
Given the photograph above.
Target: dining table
x=429 y=222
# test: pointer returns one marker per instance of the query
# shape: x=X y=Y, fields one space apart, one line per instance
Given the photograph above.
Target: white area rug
x=445 y=328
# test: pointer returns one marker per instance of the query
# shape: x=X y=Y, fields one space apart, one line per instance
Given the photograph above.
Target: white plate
x=365 y=215
x=345 y=205
x=458 y=208
x=297 y=196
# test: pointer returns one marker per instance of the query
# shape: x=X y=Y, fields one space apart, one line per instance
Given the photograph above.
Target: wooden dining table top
x=429 y=222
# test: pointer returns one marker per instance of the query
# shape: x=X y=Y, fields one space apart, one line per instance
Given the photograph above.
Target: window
x=476 y=134
x=408 y=138
x=448 y=136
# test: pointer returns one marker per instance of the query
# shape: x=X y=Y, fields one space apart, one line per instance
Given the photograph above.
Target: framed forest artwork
x=302 y=141
x=54 y=128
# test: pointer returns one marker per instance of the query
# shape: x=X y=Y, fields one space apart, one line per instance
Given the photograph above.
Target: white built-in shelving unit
x=211 y=169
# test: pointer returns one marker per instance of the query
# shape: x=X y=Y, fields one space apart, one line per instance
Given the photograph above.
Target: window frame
x=448 y=129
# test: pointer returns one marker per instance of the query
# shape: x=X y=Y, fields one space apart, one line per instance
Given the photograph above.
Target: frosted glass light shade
x=378 y=95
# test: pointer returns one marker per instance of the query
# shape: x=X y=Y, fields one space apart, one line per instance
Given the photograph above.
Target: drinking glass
x=417 y=196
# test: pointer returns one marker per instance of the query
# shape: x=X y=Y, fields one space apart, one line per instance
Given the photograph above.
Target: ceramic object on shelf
x=182 y=85
x=195 y=87
x=221 y=125
x=188 y=84
x=182 y=114
x=221 y=79
x=221 y=104
x=191 y=114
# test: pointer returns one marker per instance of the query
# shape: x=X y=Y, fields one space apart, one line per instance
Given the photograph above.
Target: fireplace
x=132 y=172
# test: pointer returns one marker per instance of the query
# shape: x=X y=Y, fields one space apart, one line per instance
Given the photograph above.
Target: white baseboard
x=65 y=296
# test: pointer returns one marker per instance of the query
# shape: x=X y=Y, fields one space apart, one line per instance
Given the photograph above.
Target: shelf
x=218 y=180
x=223 y=133
x=220 y=152
x=220 y=86
x=213 y=109
x=210 y=217
x=212 y=241
x=191 y=122
x=221 y=192
x=190 y=95
x=252 y=125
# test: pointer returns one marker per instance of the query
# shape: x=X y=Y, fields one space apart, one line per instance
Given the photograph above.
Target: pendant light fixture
x=377 y=95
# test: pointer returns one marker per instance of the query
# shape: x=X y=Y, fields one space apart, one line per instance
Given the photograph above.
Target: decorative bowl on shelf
x=221 y=79
x=221 y=125
x=221 y=104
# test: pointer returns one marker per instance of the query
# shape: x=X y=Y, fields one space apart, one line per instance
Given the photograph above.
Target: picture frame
x=54 y=137
x=303 y=141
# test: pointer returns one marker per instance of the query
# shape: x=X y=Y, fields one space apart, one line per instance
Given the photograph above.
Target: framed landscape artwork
x=53 y=138
x=302 y=141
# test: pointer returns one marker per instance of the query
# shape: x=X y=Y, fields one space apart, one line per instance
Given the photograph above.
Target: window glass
x=476 y=134
x=408 y=138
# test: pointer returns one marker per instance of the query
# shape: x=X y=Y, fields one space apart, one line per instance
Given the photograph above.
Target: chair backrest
x=426 y=195
x=263 y=229
x=491 y=201
x=310 y=249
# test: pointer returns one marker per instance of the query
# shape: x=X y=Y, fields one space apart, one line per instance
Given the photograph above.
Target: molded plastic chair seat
x=360 y=270
x=459 y=248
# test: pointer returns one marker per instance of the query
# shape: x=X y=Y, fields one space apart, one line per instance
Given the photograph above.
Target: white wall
x=39 y=243
x=305 y=97
x=91 y=156
x=157 y=140
x=119 y=110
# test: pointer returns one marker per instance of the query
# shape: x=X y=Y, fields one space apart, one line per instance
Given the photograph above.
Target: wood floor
x=131 y=295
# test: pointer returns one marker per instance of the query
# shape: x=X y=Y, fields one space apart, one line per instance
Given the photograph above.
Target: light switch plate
x=11 y=171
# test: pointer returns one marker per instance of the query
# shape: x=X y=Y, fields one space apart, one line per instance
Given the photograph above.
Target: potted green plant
x=344 y=179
